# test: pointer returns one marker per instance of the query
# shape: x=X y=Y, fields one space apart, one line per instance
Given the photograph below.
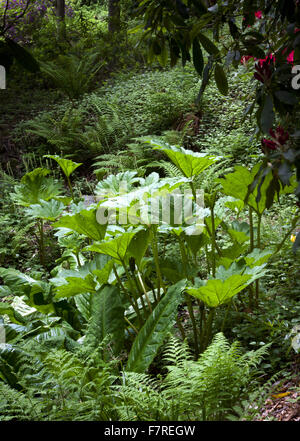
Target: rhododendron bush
x=263 y=36
x=20 y=16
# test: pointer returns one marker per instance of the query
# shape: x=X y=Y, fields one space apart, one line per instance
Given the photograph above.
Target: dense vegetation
x=150 y=177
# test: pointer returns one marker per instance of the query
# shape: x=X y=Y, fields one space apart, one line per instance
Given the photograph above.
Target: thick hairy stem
x=160 y=282
x=133 y=293
x=209 y=327
x=144 y=290
x=213 y=237
x=70 y=187
x=131 y=300
x=194 y=325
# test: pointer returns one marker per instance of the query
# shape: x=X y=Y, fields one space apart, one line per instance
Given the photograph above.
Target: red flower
x=258 y=14
x=279 y=138
x=263 y=71
x=245 y=58
x=290 y=58
x=268 y=144
x=279 y=135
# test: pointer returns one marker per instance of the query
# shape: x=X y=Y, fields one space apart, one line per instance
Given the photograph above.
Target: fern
x=71 y=74
x=63 y=385
x=206 y=389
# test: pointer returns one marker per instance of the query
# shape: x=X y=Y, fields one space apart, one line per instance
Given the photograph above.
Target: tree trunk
x=60 y=12
x=114 y=12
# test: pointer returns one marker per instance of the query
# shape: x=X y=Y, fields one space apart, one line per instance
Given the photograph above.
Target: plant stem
x=294 y=223
x=225 y=316
x=251 y=229
x=180 y=327
x=145 y=292
x=213 y=236
x=70 y=187
x=130 y=299
x=209 y=327
x=258 y=246
x=194 y=325
x=42 y=245
x=160 y=282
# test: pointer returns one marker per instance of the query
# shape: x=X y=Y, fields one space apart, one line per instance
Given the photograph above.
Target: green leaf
x=221 y=79
x=66 y=165
x=76 y=285
x=198 y=57
x=239 y=231
x=139 y=245
x=14 y=316
x=84 y=222
x=236 y=184
x=267 y=115
x=107 y=317
x=47 y=210
x=116 y=247
x=215 y=292
x=87 y=279
x=258 y=257
x=208 y=45
x=113 y=185
x=155 y=330
x=227 y=283
x=188 y=162
x=196 y=242
x=286 y=97
x=36 y=186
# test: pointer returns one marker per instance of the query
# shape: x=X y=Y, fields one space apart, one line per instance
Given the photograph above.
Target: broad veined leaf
x=66 y=165
x=258 y=257
x=36 y=186
x=215 y=292
x=37 y=292
x=85 y=222
x=114 y=185
x=137 y=206
x=239 y=231
x=83 y=304
x=47 y=210
x=155 y=329
x=234 y=204
x=116 y=247
x=107 y=317
x=139 y=245
x=197 y=242
x=190 y=163
x=76 y=285
x=227 y=283
x=236 y=184
x=86 y=279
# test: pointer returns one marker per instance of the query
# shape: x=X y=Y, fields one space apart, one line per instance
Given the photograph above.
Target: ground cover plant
x=149 y=255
